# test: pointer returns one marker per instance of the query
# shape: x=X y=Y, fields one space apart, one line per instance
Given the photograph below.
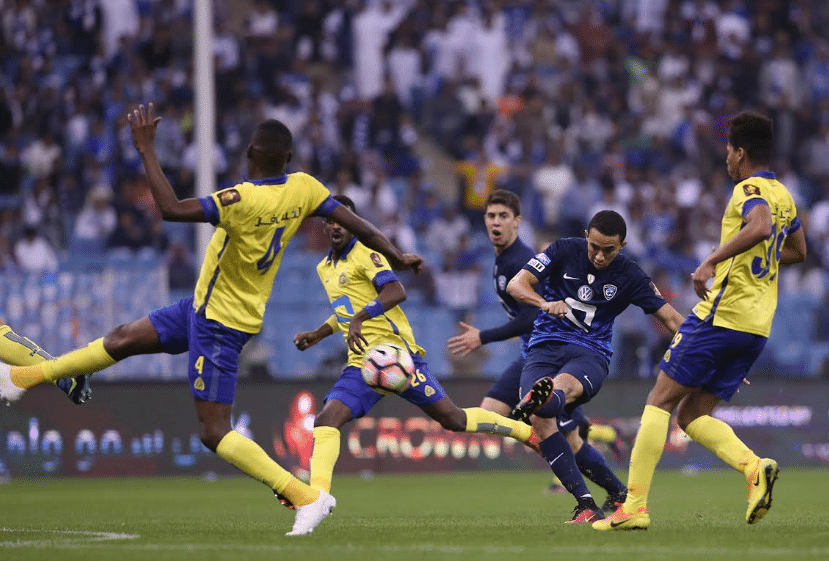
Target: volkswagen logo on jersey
x=585 y=293
x=609 y=291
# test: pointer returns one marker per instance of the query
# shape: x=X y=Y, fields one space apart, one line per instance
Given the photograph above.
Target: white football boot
x=8 y=391
x=309 y=516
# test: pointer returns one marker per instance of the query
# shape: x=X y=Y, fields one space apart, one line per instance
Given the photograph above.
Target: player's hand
x=466 y=342
x=558 y=308
x=306 y=340
x=700 y=278
x=413 y=262
x=143 y=123
x=355 y=336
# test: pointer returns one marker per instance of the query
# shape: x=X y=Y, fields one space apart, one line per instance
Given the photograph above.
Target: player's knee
x=118 y=339
x=685 y=416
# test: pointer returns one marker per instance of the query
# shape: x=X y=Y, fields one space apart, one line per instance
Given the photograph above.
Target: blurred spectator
x=371 y=28
x=478 y=176
x=444 y=234
x=97 y=218
x=42 y=156
x=34 y=254
x=181 y=274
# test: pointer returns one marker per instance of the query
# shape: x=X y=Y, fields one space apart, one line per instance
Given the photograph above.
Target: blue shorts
x=715 y=359
x=551 y=358
x=214 y=349
x=352 y=391
x=506 y=387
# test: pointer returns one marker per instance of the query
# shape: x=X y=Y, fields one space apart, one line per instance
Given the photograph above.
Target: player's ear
x=288 y=156
x=250 y=152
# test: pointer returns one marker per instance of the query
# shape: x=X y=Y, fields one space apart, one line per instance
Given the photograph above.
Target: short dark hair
x=276 y=135
x=271 y=145
x=609 y=223
x=506 y=198
x=346 y=202
x=754 y=133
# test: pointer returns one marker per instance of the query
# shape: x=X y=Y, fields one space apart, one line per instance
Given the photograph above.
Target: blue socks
x=555 y=407
x=558 y=454
x=595 y=468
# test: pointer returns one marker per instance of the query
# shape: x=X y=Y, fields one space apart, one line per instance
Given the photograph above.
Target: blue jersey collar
x=346 y=250
x=269 y=180
x=765 y=174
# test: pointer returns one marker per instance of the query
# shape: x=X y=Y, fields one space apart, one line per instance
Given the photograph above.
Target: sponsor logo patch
x=375 y=258
x=502 y=282
x=543 y=258
x=751 y=190
x=585 y=293
x=536 y=264
x=229 y=197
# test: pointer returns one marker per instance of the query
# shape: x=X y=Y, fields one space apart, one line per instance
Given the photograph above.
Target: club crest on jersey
x=502 y=283
x=343 y=279
x=750 y=190
x=229 y=197
x=610 y=291
x=590 y=279
x=585 y=293
x=375 y=258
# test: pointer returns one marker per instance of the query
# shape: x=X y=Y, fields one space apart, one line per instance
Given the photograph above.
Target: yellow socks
x=721 y=441
x=249 y=457
x=86 y=360
x=602 y=433
x=19 y=351
x=481 y=420
x=324 y=457
x=647 y=450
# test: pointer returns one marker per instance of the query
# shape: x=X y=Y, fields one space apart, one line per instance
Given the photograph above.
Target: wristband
x=373 y=308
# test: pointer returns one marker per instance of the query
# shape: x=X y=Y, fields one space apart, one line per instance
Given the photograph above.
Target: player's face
x=337 y=235
x=602 y=249
x=501 y=225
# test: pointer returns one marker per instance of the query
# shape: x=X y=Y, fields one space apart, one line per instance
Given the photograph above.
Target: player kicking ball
x=725 y=333
x=585 y=284
x=365 y=295
x=254 y=222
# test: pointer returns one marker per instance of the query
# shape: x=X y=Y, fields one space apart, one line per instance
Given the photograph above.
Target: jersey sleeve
x=320 y=202
x=376 y=268
x=227 y=207
x=746 y=196
x=645 y=294
x=541 y=264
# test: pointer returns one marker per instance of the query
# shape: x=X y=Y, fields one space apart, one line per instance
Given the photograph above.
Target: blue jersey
x=507 y=266
x=594 y=297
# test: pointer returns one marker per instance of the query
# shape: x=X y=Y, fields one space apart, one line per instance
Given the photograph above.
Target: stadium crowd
x=417 y=110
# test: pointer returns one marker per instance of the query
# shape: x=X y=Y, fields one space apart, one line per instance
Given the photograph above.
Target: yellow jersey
x=351 y=282
x=254 y=222
x=744 y=294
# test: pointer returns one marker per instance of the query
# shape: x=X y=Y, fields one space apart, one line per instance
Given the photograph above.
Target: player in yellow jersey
x=18 y=350
x=254 y=221
x=722 y=337
x=366 y=295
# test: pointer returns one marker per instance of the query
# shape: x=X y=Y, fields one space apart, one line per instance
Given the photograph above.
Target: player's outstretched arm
x=669 y=317
x=390 y=295
x=757 y=228
x=466 y=342
x=794 y=248
x=143 y=123
x=373 y=238
x=307 y=339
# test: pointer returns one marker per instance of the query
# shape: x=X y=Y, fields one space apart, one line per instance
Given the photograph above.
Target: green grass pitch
x=472 y=516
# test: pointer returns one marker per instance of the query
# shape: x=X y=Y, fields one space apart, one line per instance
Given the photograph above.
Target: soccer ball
x=387 y=369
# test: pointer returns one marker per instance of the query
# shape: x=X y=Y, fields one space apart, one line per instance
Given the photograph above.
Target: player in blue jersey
x=502 y=217
x=365 y=296
x=585 y=284
x=18 y=350
x=254 y=221
x=725 y=332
